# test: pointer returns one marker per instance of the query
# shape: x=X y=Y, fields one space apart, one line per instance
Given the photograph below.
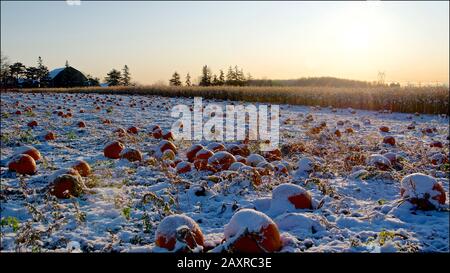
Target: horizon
x=287 y=40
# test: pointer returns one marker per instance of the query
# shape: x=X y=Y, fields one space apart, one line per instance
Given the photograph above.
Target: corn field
x=427 y=100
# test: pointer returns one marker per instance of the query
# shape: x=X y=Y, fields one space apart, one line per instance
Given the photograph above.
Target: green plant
x=10 y=221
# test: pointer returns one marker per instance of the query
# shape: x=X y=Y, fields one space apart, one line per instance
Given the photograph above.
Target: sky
x=408 y=41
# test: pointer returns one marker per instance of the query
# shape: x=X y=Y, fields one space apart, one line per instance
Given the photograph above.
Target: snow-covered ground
x=357 y=204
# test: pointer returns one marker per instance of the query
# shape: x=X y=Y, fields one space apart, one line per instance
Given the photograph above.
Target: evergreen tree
x=67 y=64
x=206 y=76
x=188 y=79
x=175 y=81
x=4 y=70
x=113 y=77
x=31 y=76
x=215 y=80
x=221 y=80
x=230 y=76
x=43 y=76
x=125 y=76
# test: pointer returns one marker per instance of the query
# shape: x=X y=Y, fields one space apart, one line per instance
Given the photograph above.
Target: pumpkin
x=287 y=197
x=272 y=155
x=192 y=151
x=81 y=124
x=171 y=229
x=168 y=136
x=184 y=167
x=82 y=167
x=113 y=149
x=167 y=145
x=131 y=155
x=436 y=144
x=215 y=147
x=133 y=130
x=389 y=140
x=384 y=129
x=32 y=124
x=251 y=231
x=66 y=185
x=254 y=159
x=23 y=164
x=168 y=155
x=221 y=161
x=29 y=150
x=423 y=191
x=50 y=136
x=120 y=132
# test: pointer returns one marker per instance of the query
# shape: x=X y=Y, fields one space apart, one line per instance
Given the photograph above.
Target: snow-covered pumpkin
x=288 y=197
x=179 y=228
x=251 y=231
x=82 y=167
x=120 y=131
x=436 y=144
x=131 y=155
x=379 y=161
x=221 y=160
x=192 y=151
x=168 y=135
x=164 y=145
x=23 y=164
x=113 y=149
x=423 y=191
x=66 y=183
x=183 y=167
x=216 y=147
x=254 y=159
x=29 y=150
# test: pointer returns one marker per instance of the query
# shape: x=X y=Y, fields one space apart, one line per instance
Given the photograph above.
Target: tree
x=206 y=76
x=188 y=79
x=43 y=75
x=231 y=77
x=221 y=78
x=17 y=71
x=31 y=76
x=67 y=64
x=4 y=70
x=215 y=80
x=113 y=77
x=175 y=81
x=93 y=81
x=126 y=79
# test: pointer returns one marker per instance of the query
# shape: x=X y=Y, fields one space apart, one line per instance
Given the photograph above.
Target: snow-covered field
x=353 y=179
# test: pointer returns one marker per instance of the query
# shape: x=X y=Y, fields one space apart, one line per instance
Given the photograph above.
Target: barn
x=67 y=77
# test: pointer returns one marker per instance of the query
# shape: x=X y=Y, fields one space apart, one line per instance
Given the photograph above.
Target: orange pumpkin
x=192 y=151
x=66 y=185
x=23 y=164
x=436 y=144
x=167 y=145
x=82 y=167
x=258 y=235
x=389 y=140
x=273 y=155
x=166 y=233
x=131 y=155
x=81 y=124
x=168 y=136
x=221 y=161
x=133 y=130
x=31 y=151
x=183 y=167
x=293 y=194
x=384 y=129
x=423 y=191
x=32 y=124
x=50 y=136
x=215 y=147
x=113 y=149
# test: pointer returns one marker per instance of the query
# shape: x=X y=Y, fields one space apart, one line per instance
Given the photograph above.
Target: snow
x=304 y=166
x=254 y=159
x=358 y=203
x=418 y=185
x=169 y=225
x=246 y=219
x=280 y=203
x=55 y=72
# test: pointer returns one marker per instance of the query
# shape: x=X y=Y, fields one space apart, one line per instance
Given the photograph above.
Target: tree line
x=235 y=77
x=18 y=75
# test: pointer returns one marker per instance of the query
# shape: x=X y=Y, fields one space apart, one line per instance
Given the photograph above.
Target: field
x=338 y=157
x=427 y=100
